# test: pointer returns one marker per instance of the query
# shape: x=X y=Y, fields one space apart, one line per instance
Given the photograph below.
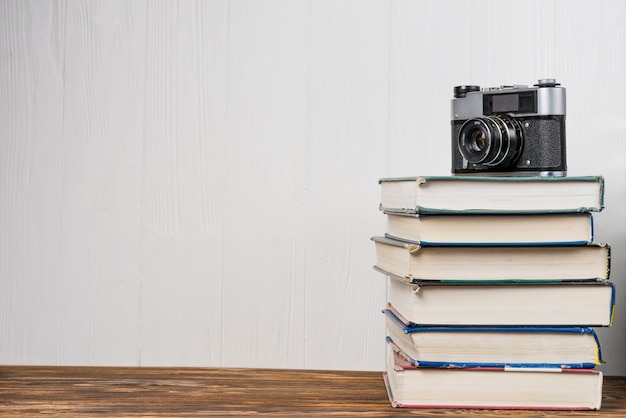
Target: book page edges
x=536 y=367
x=515 y=179
x=409 y=328
x=396 y=404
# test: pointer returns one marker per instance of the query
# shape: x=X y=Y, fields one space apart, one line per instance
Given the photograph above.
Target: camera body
x=509 y=129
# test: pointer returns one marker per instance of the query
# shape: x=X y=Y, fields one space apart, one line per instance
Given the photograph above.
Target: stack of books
x=494 y=287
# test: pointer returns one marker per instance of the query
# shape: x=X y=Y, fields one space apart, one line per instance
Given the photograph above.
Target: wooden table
x=101 y=391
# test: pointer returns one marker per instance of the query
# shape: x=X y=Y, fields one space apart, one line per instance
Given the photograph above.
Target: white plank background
x=194 y=183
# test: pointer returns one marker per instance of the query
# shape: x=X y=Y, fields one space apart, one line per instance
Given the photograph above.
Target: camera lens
x=477 y=141
x=494 y=141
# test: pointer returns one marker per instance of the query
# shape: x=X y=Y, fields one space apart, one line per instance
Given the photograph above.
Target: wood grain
x=100 y=193
x=83 y=391
x=194 y=183
x=347 y=104
x=31 y=109
x=263 y=289
x=183 y=180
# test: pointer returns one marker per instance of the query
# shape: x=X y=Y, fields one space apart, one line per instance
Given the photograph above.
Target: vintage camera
x=509 y=129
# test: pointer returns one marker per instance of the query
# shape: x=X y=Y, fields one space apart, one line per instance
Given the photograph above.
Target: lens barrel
x=494 y=141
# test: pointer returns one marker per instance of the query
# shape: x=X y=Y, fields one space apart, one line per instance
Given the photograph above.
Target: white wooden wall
x=194 y=183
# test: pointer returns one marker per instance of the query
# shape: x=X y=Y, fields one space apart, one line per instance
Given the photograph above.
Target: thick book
x=452 y=346
x=501 y=263
x=409 y=386
x=499 y=229
x=584 y=304
x=492 y=194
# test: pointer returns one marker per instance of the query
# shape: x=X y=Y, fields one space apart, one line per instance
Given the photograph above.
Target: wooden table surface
x=116 y=391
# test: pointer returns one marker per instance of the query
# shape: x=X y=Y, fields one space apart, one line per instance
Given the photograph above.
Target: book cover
x=563 y=304
x=409 y=386
x=492 y=263
x=491 y=230
x=480 y=346
x=492 y=194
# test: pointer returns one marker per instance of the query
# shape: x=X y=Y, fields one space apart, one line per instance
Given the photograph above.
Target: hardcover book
x=514 y=346
x=514 y=229
x=409 y=386
x=581 y=304
x=492 y=194
x=494 y=285
x=489 y=263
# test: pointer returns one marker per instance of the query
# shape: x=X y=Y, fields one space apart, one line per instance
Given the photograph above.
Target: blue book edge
x=469 y=365
x=409 y=328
